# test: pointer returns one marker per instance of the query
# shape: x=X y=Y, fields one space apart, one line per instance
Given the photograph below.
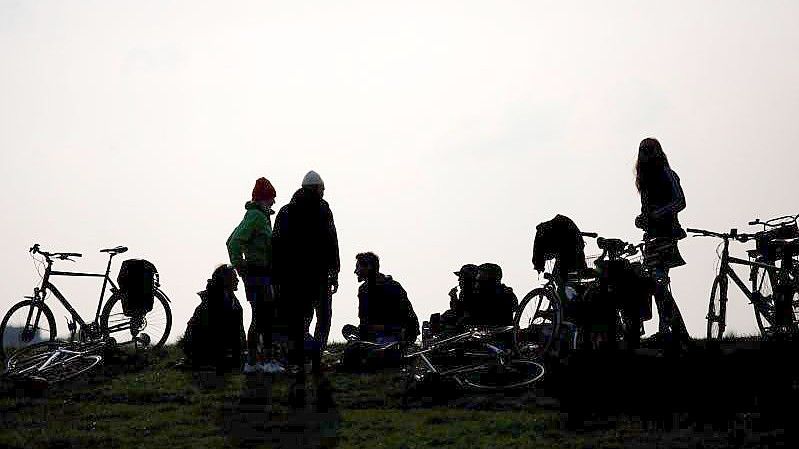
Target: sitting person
x=449 y=320
x=215 y=333
x=384 y=310
x=493 y=303
x=386 y=317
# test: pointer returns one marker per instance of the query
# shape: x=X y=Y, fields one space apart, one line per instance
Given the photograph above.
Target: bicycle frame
x=725 y=269
x=40 y=293
x=472 y=335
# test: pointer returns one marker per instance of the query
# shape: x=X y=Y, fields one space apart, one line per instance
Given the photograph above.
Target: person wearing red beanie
x=250 y=251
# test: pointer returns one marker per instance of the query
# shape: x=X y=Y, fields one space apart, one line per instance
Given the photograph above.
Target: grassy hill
x=136 y=401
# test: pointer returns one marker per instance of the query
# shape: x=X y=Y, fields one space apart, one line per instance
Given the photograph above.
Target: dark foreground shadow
x=261 y=416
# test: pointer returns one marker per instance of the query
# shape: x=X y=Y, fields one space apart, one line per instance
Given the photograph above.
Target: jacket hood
x=302 y=196
x=249 y=205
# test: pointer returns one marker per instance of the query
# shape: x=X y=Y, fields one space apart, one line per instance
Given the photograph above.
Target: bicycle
x=55 y=361
x=28 y=317
x=539 y=316
x=764 y=273
x=473 y=360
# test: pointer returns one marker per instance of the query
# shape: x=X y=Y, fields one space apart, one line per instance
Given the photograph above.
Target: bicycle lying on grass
x=774 y=292
x=55 y=361
x=31 y=320
x=474 y=360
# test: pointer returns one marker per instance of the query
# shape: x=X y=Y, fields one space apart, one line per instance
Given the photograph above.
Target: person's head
x=224 y=277
x=489 y=274
x=263 y=192
x=313 y=182
x=367 y=265
x=467 y=276
x=651 y=160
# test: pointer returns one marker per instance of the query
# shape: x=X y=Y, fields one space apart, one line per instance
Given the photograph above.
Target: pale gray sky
x=444 y=131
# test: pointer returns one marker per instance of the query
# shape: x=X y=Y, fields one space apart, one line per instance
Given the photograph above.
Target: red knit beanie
x=263 y=190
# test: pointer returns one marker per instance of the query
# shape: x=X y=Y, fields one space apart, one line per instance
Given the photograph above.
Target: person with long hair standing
x=661 y=199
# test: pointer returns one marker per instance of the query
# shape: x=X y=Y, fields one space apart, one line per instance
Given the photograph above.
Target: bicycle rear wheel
x=494 y=376
x=536 y=324
x=26 y=323
x=717 y=308
x=144 y=332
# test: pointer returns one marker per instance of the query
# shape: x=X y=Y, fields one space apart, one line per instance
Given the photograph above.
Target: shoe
x=272 y=367
x=250 y=369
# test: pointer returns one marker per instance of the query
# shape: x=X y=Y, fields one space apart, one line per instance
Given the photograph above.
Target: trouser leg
x=323 y=317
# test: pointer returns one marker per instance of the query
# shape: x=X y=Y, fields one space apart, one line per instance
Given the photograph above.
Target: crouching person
x=215 y=333
x=386 y=316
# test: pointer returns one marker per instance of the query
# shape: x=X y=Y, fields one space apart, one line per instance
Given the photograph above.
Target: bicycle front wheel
x=25 y=324
x=144 y=332
x=536 y=324
x=51 y=361
x=491 y=376
x=717 y=309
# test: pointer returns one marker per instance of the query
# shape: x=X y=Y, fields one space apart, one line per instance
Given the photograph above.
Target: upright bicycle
x=31 y=320
x=773 y=277
x=539 y=318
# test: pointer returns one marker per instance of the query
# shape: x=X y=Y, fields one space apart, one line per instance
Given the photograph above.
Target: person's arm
x=238 y=240
x=677 y=202
x=335 y=261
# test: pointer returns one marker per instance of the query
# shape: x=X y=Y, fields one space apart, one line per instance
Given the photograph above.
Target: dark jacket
x=385 y=303
x=661 y=199
x=559 y=239
x=215 y=327
x=492 y=305
x=304 y=240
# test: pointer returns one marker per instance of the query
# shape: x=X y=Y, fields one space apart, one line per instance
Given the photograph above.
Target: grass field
x=146 y=402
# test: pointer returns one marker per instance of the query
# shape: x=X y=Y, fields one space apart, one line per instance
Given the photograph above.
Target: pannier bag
x=137 y=282
x=767 y=249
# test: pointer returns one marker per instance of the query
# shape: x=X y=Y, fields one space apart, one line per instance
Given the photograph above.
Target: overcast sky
x=444 y=131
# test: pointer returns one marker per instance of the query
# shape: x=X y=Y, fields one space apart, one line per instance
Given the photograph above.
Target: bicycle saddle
x=115 y=250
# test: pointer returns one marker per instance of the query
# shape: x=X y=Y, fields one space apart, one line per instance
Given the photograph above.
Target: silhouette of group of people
x=290 y=272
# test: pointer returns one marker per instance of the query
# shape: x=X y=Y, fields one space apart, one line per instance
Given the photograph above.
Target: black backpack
x=137 y=281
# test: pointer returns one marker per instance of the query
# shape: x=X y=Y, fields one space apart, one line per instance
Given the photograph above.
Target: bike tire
x=491 y=377
x=6 y=347
x=530 y=329
x=114 y=324
x=27 y=363
x=717 y=309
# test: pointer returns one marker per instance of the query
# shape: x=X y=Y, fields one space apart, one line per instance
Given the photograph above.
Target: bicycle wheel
x=26 y=323
x=494 y=376
x=763 y=301
x=144 y=332
x=536 y=324
x=717 y=308
x=52 y=362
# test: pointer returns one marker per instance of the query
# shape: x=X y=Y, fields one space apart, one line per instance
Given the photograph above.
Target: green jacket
x=251 y=241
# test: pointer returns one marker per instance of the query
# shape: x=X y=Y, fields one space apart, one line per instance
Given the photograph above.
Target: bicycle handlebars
x=733 y=234
x=35 y=249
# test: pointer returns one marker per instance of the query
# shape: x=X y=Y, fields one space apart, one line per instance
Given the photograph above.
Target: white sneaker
x=272 y=367
x=249 y=369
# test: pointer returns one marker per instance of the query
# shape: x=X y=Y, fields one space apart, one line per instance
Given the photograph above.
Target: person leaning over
x=305 y=266
x=250 y=251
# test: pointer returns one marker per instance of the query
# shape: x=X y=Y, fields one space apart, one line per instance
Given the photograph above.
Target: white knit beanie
x=312 y=178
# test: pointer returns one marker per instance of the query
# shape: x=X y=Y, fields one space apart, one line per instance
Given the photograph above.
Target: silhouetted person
x=215 y=333
x=493 y=303
x=464 y=292
x=306 y=266
x=250 y=251
x=385 y=313
x=661 y=199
